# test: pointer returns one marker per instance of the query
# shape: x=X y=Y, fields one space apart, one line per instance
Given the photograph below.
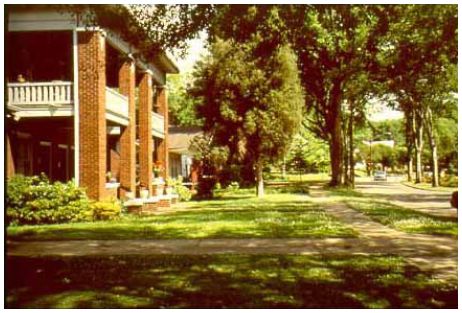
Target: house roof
x=179 y=139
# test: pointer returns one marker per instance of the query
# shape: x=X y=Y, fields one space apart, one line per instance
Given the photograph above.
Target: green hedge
x=32 y=200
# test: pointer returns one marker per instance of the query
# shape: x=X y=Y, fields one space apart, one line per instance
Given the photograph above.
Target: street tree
x=417 y=59
x=253 y=105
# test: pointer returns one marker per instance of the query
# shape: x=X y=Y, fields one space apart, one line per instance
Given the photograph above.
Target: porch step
x=150 y=205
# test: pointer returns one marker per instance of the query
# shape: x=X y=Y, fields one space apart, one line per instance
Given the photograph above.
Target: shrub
x=184 y=194
x=34 y=200
x=449 y=181
x=104 y=210
x=234 y=186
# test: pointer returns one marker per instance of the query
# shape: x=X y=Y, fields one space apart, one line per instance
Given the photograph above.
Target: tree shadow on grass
x=284 y=220
x=222 y=281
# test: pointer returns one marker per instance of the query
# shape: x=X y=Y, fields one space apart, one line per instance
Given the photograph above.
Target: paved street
x=432 y=202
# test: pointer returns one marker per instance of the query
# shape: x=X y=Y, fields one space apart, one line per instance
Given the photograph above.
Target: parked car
x=380 y=176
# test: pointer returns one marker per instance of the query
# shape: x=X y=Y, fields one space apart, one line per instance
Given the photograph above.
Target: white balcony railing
x=116 y=106
x=39 y=94
x=158 y=125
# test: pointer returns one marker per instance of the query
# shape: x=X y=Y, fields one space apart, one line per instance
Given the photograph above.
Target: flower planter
x=144 y=193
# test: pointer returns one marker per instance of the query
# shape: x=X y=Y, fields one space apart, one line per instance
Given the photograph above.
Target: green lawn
x=397 y=217
x=406 y=220
x=428 y=186
x=223 y=281
x=237 y=215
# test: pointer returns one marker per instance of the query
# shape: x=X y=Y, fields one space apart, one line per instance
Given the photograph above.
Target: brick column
x=92 y=107
x=145 y=130
x=128 y=136
x=162 y=151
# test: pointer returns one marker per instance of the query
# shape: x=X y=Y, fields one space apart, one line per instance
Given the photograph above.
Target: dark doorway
x=43 y=158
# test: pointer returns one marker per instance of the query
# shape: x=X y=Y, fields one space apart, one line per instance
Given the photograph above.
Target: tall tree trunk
x=346 y=178
x=336 y=144
x=433 y=145
x=351 y=158
x=409 y=166
x=410 y=135
x=418 y=144
x=259 y=173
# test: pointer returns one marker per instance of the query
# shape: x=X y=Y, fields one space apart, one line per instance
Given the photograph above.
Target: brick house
x=83 y=104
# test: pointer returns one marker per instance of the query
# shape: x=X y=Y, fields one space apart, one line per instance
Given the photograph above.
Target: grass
x=397 y=217
x=237 y=215
x=406 y=220
x=428 y=186
x=223 y=281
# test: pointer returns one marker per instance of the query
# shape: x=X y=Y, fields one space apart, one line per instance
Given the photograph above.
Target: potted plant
x=156 y=169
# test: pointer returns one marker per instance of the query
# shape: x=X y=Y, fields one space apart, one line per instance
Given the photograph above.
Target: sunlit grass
x=234 y=215
x=406 y=220
x=223 y=281
x=428 y=186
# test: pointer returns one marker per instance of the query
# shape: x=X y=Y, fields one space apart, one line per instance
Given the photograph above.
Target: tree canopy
x=251 y=105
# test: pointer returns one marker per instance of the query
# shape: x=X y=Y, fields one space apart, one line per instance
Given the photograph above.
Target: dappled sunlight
x=406 y=220
x=264 y=281
x=277 y=215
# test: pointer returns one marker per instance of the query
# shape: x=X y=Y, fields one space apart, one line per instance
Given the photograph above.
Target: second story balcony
x=39 y=99
x=56 y=98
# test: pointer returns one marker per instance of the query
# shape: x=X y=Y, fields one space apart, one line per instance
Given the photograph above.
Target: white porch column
x=76 y=107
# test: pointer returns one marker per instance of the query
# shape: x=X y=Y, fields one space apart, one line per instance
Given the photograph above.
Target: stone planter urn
x=159 y=189
x=144 y=193
x=130 y=195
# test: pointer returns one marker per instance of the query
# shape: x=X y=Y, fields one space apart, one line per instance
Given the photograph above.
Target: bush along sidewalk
x=32 y=200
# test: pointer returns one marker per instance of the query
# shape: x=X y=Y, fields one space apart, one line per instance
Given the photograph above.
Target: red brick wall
x=145 y=131
x=128 y=135
x=92 y=127
x=162 y=151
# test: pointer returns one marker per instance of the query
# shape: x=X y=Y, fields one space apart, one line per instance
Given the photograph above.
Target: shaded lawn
x=223 y=281
x=398 y=217
x=232 y=216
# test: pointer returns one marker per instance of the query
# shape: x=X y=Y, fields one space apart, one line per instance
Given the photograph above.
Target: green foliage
x=104 y=210
x=234 y=186
x=34 y=200
x=449 y=181
x=182 y=107
x=250 y=105
x=308 y=153
x=183 y=192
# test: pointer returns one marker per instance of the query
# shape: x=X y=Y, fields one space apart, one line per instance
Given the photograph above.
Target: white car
x=380 y=176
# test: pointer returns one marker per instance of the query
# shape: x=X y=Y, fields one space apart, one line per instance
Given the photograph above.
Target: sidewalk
x=428 y=252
